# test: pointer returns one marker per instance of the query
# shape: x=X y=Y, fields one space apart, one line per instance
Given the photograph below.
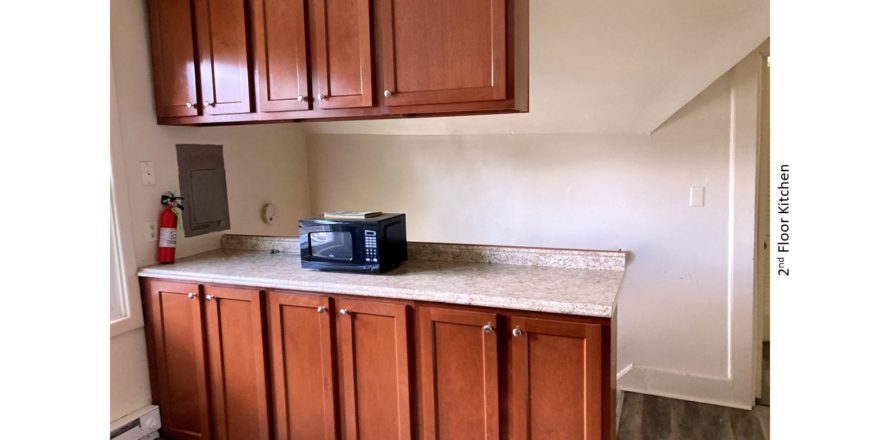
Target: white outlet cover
x=270 y=211
x=151 y=232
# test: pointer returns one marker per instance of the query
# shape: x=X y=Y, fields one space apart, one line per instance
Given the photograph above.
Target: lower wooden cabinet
x=373 y=347
x=362 y=369
x=178 y=362
x=301 y=341
x=458 y=360
x=236 y=363
x=556 y=377
x=208 y=369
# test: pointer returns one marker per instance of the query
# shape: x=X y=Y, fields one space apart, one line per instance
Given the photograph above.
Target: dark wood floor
x=646 y=417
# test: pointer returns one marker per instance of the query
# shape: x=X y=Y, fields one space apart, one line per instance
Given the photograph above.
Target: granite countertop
x=574 y=282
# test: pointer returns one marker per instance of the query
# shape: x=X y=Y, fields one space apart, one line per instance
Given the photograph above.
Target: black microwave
x=372 y=245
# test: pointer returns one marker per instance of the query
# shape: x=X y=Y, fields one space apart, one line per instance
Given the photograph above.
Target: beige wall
x=264 y=163
x=680 y=322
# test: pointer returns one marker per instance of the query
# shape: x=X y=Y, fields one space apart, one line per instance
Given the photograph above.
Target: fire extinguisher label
x=167 y=237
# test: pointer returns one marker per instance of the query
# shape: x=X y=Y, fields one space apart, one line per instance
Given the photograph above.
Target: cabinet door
x=437 y=52
x=175 y=321
x=174 y=58
x=458 y=353
x=223 y=56
x=236 y=363
x=557 y=379
x=375 y=370
x=302 y=366
x=280 y=54
x=343 y=58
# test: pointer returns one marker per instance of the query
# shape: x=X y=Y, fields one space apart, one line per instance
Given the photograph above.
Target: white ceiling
x=614 y=66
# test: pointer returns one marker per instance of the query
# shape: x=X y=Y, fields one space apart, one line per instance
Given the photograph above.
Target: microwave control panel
x=370 y=244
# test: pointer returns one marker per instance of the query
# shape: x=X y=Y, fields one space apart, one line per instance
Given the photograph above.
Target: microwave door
x=330 y=243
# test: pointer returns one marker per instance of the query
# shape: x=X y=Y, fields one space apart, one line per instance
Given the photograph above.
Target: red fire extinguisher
x=169 y=222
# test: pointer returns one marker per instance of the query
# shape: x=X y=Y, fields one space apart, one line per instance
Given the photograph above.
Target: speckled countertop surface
x=574 y=291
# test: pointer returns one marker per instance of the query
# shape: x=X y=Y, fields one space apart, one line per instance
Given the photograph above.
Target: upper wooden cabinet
x=280 y=49
x=439 y=52
x=223 y=56
x=236 y=61
x=175 y=73
x=341 y=40
x=200 y=58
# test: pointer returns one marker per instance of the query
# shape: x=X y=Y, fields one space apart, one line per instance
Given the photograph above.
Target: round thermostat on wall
x=270 y=211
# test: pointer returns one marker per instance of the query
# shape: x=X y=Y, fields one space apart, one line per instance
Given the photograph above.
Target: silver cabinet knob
x=517 y=332
x=322 y=96
x=300 y=98
x=343 y=312
x=209 y=297
x=488 y=328
x=189 y=105
x=191 y=295
x=388 y=93
x=322 y=309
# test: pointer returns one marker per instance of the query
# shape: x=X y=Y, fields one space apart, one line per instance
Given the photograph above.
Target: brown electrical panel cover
x=203 y=187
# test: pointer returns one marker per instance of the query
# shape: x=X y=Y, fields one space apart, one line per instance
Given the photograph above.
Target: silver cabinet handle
x=343 y=312
x=322 y=96
x=189 y=105
x=300 y=98
x=322 y=309
x=388 y=93
x=191 y=295
x=488 y=328
x=209 y=297
x=517 y=332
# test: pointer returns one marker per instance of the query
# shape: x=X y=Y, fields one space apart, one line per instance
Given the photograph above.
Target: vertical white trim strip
x=731 y=229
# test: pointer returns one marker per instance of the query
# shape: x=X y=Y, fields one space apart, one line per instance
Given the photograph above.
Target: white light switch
x=698 y=196
x=148 y=173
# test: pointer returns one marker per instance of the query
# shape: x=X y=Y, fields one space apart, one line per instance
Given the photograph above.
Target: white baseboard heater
x=142 y=424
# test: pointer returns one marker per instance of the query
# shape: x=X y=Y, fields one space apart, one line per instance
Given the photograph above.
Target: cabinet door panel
x=302 y=367
x=375 y=370
x=280 y=53
x=236 y=363
x=459 y=368
x=223 y=56
x=437 y=52
x=179 y=350
x=343 y=58
x=174 y=58
x=556 y=373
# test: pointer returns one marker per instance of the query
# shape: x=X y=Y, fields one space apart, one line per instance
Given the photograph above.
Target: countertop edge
x=454 y=298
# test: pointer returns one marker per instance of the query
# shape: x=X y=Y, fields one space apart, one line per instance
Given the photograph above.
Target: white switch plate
x=698 y=196
x=152 y=233
x=148 y=173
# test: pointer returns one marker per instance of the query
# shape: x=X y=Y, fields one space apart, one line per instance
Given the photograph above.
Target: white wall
x=684 y=328
x=264 y=163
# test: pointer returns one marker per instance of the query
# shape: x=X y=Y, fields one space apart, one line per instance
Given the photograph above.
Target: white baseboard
x=677 y=385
